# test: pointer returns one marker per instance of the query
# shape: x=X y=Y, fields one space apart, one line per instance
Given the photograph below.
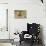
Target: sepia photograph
x=20 y=14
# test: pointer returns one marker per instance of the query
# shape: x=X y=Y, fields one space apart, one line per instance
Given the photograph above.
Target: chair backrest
x=33 y=28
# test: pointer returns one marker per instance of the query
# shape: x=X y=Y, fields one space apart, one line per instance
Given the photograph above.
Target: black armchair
x=32 y=29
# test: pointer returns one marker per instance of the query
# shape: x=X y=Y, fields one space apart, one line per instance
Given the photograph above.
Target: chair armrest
x=22 y=35
x=24 y=32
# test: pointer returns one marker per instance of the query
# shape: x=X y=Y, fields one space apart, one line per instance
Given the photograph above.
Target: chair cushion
x=27 y=36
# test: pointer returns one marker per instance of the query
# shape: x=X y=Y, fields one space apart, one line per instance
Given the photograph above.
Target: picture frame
x=20 y=14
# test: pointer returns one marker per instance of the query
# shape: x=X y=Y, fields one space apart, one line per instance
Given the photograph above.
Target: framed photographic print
x=20 y=14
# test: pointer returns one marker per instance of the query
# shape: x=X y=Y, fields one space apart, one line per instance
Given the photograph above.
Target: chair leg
x=32 y=42
x=20 y=42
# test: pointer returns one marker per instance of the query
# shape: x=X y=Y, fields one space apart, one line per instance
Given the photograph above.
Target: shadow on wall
x=41 y=34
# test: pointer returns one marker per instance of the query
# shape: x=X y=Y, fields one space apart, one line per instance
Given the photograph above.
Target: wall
x=35 y=13
x=3 y=1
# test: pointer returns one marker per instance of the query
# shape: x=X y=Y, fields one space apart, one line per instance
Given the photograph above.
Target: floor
x=5 y=44
x=27 y=44
x=23 y=44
